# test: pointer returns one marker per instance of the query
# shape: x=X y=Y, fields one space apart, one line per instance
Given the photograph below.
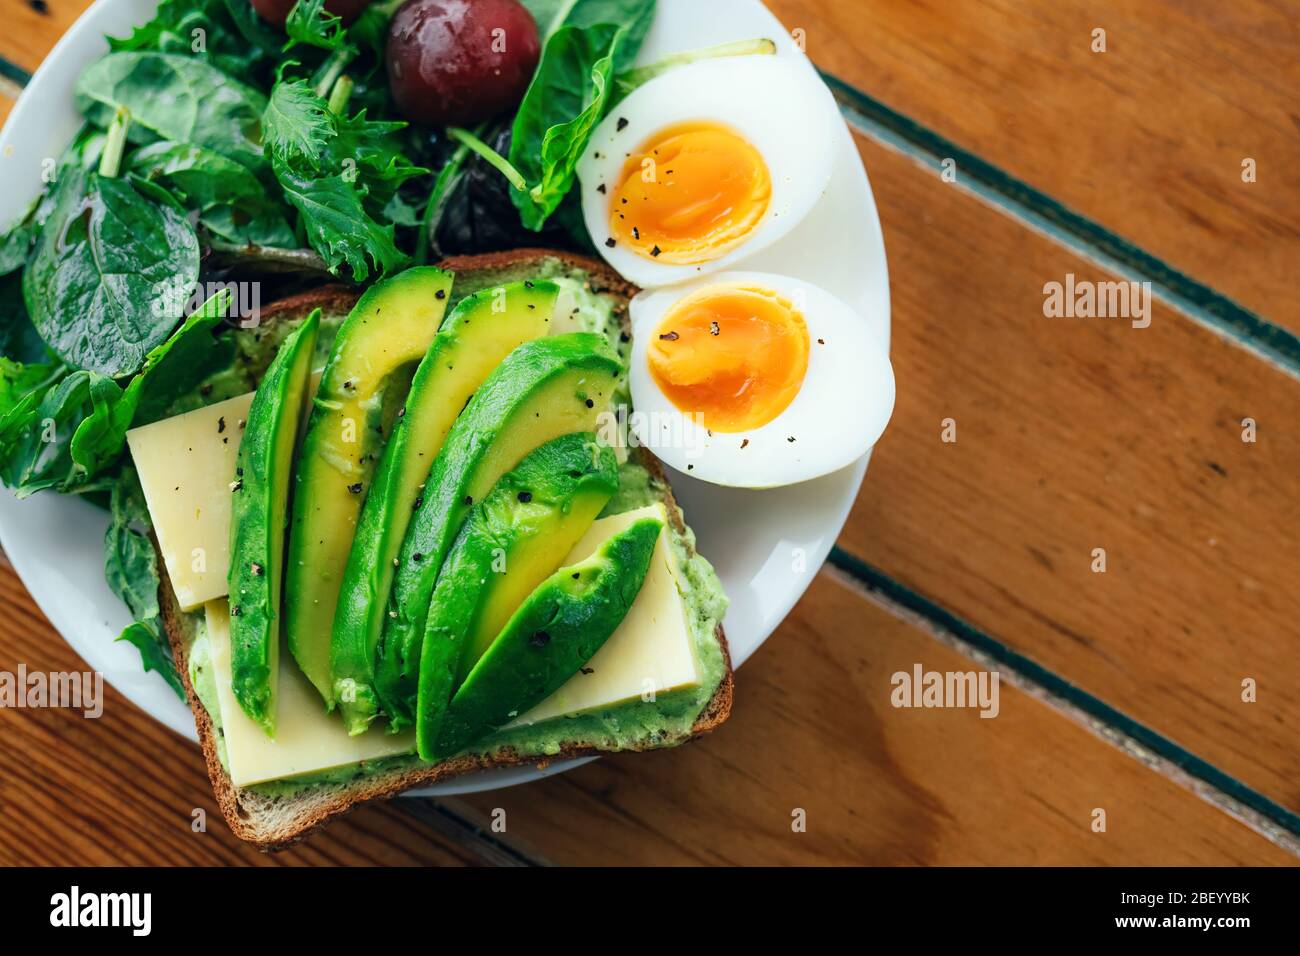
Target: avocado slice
x=545 y=388
x=478 y=334
x=510 y=542
x=258 y=516
x=560 y=627
x=386 y=334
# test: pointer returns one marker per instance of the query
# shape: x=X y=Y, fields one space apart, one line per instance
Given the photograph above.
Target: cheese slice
x=307 y=740
x=652 y=651
x=186 y=465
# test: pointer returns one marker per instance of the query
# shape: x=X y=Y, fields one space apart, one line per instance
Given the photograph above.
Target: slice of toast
x=276 y=821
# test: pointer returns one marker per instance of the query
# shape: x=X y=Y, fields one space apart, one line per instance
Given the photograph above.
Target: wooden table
x=1122 y=690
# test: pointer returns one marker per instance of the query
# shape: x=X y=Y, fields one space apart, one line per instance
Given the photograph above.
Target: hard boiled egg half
x=755 y=380
x=706 y=165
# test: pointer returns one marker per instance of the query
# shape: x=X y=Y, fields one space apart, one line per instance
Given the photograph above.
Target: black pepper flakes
x=714 y=328
x=654 y=252
x=237 y=484
x=539 y=639
x=525 y=497
x=417 y=557
x=744 y=443
x=636 y=233
x=469 y=500
x=588 y=670
x=790 y=439
x=621 y=124
x=610 y=243
x=221 y=424
x=821 y=341
x=418 y=501
x=440 y=294
x=590 y=403
x=669 y=337
x=601 y=189
x=355 y=488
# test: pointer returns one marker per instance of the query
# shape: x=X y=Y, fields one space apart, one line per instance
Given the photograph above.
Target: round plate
x=766 y=545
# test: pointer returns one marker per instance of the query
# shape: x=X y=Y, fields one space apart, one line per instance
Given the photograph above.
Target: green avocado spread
x=632 y=724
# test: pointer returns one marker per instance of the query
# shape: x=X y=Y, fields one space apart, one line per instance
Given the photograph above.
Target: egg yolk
x=690 y=194
x=735 y=355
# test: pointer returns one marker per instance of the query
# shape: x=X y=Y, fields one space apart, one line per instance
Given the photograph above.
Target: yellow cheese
x=652 y=651
x=307 y=740
x=186 y=465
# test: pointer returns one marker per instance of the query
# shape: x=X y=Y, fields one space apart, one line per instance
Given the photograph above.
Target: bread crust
x=329 y=801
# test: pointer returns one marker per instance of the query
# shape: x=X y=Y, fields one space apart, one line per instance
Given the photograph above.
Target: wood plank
x=1076 y=434
x=31 y=30
x=122 y=789
x=1147 y=138
x=814 y=729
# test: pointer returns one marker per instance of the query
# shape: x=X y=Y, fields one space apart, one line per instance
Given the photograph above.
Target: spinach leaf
x=337 y=224
x=15 y=244
x=369 y=30
x=37 y=432
x=636 y=15
x=94 y=288
x=171 y=371
x=131 y=567
x=207 y=29
x=310 y=23
x=178 y=98
x=565 y=101
x=18 y=338
x=230 y=200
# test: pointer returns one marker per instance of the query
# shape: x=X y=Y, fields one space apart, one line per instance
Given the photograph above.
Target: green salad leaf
x=175 y=97
x=94 y=288
x=310 y=23
x=131 y=567
x=297 y=125
x=635 y=15
x=230 y=200
x=567 y=98
x=338 y=225
x=339 y=173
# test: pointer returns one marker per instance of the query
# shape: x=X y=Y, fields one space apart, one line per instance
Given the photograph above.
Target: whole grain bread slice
x=275 y=821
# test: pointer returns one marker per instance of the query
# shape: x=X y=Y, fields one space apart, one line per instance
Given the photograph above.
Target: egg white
x=840 y=411
x=786 y=115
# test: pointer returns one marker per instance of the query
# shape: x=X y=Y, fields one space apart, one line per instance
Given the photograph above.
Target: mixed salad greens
x=258 y=141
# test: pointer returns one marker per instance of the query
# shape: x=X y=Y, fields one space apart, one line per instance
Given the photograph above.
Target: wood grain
x=1077 y=434
x=122 y=789
x=1147 y=138
x=814 y=729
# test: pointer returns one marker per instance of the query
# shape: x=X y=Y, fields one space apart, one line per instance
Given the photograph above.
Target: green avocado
x=257 y=523
x=545 y=388
x=510 y=542
x=560 y=627
x=478 y=334
x=386 y=334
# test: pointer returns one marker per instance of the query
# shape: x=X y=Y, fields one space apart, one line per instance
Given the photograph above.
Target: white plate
x=766 y=545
